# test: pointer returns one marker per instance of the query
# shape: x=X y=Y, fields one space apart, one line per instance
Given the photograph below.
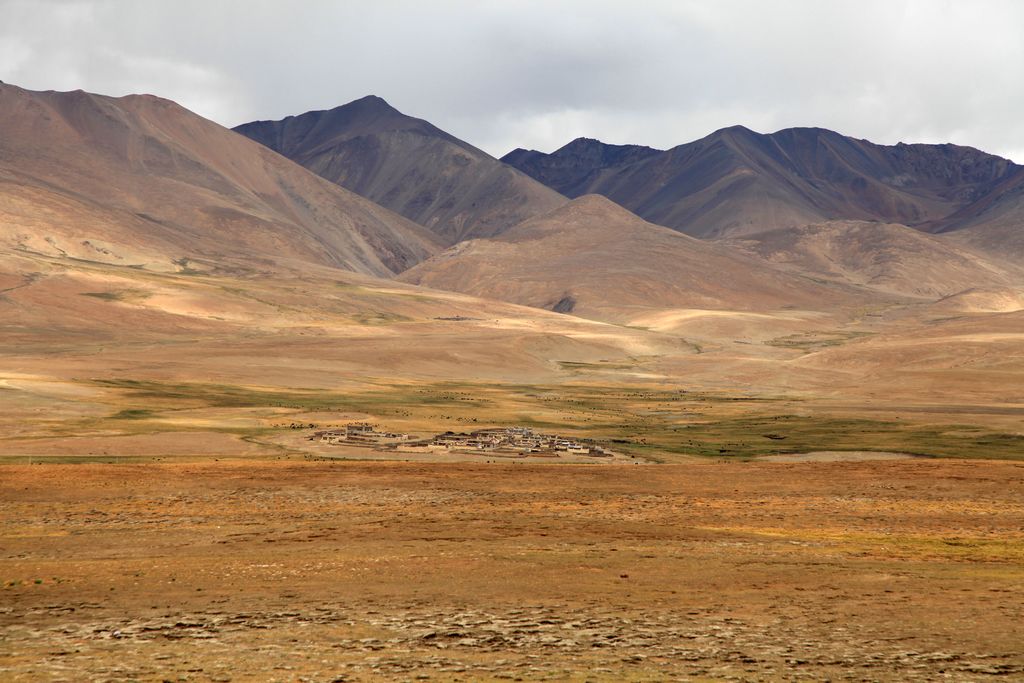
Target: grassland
x=812 y=341
x=656 y=424
x=326 y=571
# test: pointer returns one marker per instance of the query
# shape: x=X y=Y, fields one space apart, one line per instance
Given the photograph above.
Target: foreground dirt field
x=335 y=571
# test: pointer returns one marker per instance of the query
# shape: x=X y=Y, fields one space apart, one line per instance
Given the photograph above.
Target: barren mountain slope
x=409 y=166
x=593 y=258
x=995 y=223
x=890 y=258
x=139 y=180
x=736 y=181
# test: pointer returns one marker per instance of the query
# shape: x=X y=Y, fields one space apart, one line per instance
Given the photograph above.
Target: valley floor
x=333 y=571
x=164 y=515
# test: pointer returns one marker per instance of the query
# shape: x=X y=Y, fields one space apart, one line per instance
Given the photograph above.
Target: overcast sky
x=522 y=73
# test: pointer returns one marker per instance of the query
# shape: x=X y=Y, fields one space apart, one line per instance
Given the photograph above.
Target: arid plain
x=166 y=518
x=256 y=570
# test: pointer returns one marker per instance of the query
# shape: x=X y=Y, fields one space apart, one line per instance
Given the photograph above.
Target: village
x=508 y=441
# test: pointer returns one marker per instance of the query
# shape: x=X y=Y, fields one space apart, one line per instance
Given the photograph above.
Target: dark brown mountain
x=409 y=166
x=736 y=181
x=141 y=181
x=575 y=167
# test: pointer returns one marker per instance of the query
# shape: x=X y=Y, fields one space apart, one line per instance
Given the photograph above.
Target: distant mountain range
x=732 y=183
x=800 y=219
x=736 y=182
x=409 y=166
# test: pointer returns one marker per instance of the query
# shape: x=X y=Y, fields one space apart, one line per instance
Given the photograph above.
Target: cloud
x=537 y=74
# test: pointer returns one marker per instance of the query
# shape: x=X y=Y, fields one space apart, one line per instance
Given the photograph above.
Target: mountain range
x=138 y=239
x=800 y=218
x=141 y=181
x=737 y=182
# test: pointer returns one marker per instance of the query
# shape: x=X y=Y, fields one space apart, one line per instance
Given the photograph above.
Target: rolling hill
x=409 y=166
x=737 y=182
x=890 y=258
x=593 y=258
x=141 y=181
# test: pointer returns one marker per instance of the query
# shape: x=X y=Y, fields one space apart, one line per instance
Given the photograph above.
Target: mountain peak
x=596 y=203
x=737 y=128
x=369 y=103
x=589 y=213
x=580 y=143
x=366 y=115
x=371 y=111
x=603 y=150
x=377 y=99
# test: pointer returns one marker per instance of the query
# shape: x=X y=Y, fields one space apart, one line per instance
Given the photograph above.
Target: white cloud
x=536 y=73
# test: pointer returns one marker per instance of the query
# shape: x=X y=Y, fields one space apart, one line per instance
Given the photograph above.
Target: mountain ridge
x=599 y=154
x=736 y=181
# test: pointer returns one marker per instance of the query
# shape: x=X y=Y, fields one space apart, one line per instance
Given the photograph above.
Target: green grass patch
x=651 y=423
x=760 y=435
x=814 y=341
x=380 y=318
x=132 y=414
x=168 y=395
x=120 y=295
x=580 y=366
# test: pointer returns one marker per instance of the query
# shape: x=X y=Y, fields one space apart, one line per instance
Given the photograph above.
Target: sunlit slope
x=141 y=181
x=595 y=259
x=891 y=259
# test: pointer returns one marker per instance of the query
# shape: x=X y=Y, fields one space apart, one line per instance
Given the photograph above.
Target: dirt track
x=899 y=570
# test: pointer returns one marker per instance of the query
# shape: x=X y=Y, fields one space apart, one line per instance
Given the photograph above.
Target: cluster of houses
x=497 y=440
x=359 y=433
x=517 y=439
